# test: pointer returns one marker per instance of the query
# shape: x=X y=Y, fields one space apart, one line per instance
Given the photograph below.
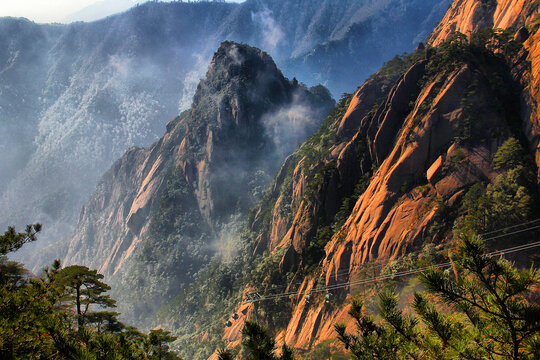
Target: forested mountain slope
x=439 y=141
x=160 y=213
x=75 y=97
x=436 y=142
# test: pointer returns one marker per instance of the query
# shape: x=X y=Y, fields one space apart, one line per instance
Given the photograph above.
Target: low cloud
x=271 y=32
x=290 y=125
x=191 y=81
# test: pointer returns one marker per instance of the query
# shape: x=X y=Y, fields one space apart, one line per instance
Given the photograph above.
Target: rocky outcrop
x=531 y=93
x=393 y=112
x=469 y=16
x=516 y=16
x=429 y=141
x=170 y=201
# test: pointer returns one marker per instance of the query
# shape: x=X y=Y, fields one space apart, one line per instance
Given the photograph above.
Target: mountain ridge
x=105 y=86
x=176 y=196
x=393 y=172
x=399 y=166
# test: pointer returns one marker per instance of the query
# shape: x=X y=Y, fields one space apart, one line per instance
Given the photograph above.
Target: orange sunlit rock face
x=411 y=140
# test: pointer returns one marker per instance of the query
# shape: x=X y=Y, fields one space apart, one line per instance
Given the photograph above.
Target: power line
x=488 y=239
x=411 y=272
x=510 y=227
x=255 y=297
x=396 y=275
x=403 y=260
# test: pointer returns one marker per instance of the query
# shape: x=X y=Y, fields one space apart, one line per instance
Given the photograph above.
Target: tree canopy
x=62 y=314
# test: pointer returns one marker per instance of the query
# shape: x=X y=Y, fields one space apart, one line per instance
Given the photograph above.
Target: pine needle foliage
x=48 y=317
x=484 y=309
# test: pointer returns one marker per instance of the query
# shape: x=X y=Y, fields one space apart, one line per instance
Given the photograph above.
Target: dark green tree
x=225 y=354
x=509 y=156
x=483 y=309
x=256 y=341
x=12 y=240
x=372 y=340
x=158 y=341
x=26 y=305
x=36 y=324
x=83 y=288
x=258 y=345
x=510 y=199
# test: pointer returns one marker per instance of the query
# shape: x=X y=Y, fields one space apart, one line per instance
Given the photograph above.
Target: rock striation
x=422 y=141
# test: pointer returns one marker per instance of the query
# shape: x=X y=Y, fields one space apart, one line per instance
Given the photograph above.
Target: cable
x=412 y=271
x=512 y=233
x=399 y=274
x=485 y=240
x=346 y=271
x=488 y=239
x=510 y=227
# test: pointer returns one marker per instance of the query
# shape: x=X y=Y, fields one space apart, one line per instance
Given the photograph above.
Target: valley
x=270 y=221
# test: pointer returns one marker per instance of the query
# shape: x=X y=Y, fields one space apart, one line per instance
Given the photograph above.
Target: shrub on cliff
x=510 y=199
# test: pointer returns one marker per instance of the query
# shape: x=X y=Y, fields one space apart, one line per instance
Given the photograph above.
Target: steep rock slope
x=430 y=144
x=158 y=213
x=76 y=97
x=470 y=16
x=414 y=154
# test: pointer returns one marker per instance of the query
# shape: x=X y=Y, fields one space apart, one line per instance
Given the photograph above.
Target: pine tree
x=484 y=309
x=12 y=241
x=258 y=345
x=83 y=287
x=35 y=322
x=158 y=341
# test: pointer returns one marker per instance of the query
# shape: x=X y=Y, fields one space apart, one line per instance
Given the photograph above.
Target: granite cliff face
x=75 y=97
x=470 y=16
x=158 y=212
x=399 y=166
x=394 y=167
x=518 y=16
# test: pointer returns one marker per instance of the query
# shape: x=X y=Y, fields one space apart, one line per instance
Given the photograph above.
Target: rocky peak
x=405 y=162
x=232 y=124
x=171 y=201
x=241 y=84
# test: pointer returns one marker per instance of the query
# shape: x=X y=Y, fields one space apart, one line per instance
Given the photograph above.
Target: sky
x=47 y=11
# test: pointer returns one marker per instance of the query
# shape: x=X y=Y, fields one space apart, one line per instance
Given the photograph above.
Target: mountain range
x=267 y=199
x=75 y=97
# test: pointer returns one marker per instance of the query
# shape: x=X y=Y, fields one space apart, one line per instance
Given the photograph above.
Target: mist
x=75 y=97
x=271 y=32
x=289 y=126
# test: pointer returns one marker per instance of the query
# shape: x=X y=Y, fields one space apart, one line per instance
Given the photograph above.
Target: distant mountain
x=75 y=97
x=100 y=9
